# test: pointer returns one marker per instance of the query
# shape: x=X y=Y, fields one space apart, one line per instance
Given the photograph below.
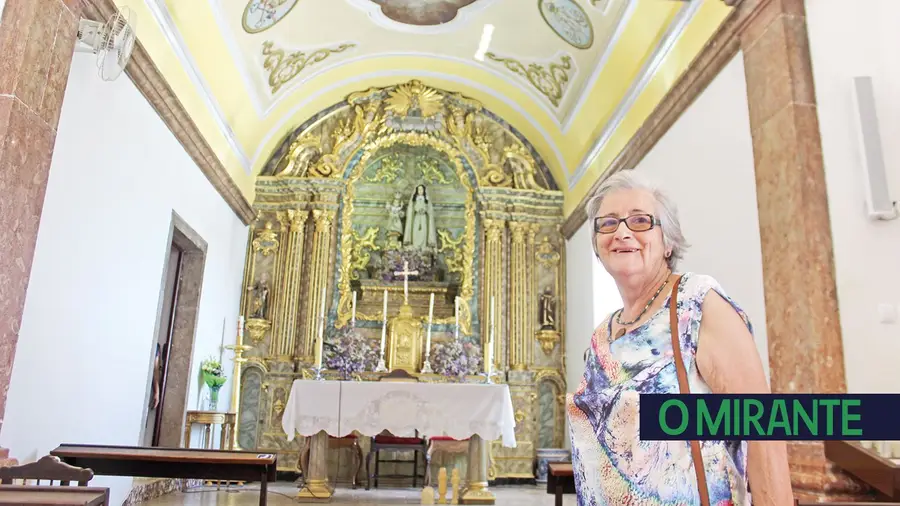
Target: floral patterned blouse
x=612 y=465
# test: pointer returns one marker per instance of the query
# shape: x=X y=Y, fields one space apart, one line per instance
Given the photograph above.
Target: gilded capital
x=297 y=219
x=533 y=229
x=518 y=231
x=323 y=219
x=493 y=229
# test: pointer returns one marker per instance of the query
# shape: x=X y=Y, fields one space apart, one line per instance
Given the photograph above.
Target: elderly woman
x=638 y=239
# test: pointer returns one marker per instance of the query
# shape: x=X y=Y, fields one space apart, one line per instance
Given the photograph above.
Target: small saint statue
x=260 y=298
x=395 y=220
x=548 y=310
x=420 y=233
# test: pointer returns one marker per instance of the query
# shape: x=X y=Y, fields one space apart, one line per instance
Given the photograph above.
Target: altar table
x=480 y=412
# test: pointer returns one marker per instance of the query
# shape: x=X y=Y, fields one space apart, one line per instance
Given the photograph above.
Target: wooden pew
x=152 y=462
x=560 y=480
x=867 y=465
x=23 y=495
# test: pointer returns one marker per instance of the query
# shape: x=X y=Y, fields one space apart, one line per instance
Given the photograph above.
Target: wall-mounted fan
x=112 y=42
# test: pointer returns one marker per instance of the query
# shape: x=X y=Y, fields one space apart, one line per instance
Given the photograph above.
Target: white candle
x=456 y=315
x=384 y=322
x=321 y=342
x=353 y=319
x=430 y=315
x=241 y=327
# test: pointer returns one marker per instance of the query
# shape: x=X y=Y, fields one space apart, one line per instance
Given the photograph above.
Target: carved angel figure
x=522 y=171
x=395 y=215
x=303 y=154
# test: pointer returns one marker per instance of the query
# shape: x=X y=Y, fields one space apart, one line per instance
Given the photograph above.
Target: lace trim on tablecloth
x=407 y=413
x=306 y=425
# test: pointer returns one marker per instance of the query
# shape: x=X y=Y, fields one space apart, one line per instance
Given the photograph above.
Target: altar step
x=146 y=489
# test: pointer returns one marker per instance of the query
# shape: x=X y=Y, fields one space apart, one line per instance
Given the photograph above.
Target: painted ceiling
x=576 y=77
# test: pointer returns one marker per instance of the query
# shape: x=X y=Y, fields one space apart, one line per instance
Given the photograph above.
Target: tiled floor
x=285 y=493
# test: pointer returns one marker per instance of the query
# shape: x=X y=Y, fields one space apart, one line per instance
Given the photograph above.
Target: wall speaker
x=879 y=204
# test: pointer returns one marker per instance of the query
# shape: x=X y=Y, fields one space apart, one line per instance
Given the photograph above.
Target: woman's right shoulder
x=600 y=330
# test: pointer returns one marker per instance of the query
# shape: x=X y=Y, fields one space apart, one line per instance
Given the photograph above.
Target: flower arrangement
x=392 y=261
x=214 y=377
x=456 y=358
x=349 y=352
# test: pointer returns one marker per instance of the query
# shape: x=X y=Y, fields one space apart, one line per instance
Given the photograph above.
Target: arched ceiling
x=576 y=77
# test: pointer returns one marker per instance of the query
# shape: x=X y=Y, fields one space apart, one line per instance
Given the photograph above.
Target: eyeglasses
x=635 y=223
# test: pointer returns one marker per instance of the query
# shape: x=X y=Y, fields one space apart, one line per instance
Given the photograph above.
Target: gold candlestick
x=442 y=486
x=454 y=482
x=238 y=348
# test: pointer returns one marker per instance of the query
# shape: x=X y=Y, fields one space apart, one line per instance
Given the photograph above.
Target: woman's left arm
x=729 y=362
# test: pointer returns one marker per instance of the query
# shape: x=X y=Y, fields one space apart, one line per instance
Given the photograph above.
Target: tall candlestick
x=353 y=319
x=384 y=323
x=430 y=315
x=456 y=315
x=489 y=356
x=222 y=346
x=321 y=342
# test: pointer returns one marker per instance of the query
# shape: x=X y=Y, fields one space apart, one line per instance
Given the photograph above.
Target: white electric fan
x=112 y=42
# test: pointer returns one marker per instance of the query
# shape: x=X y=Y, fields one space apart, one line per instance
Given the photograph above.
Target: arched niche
x=551 y=392
x=252 y=404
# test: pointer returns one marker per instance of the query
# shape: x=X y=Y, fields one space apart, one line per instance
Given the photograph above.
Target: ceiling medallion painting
x=569 y=21
x=260 y=15
x=283 y=66
x=422 y=12
x=550 y=80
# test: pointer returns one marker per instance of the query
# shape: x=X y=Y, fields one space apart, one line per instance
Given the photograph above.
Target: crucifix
x=405 y=273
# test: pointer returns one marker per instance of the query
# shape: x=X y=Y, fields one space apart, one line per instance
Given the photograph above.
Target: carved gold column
x=519 y=301
x=319 y=267
x=492 y=285
x=284 y=319
x=531 y=305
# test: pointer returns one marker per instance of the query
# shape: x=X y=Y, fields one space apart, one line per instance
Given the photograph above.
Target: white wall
x=844 y=42
x=705 y=163
x=83 y=360
x=579 y=304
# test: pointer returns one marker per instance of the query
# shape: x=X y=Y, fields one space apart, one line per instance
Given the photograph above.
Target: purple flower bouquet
x=456 y=358
x=349 y=352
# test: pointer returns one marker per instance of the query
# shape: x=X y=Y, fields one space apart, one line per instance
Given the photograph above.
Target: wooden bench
x=152 y=462
x=560 y=480
x=23 y=495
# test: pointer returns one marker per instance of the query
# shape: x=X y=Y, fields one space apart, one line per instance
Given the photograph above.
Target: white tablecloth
x=312 y=406
x=369 y=407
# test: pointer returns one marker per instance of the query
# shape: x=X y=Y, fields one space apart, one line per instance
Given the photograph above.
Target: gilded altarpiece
x=338 y=212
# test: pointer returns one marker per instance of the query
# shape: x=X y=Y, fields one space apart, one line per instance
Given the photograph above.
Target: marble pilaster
x=37 y=41
x=803 y=327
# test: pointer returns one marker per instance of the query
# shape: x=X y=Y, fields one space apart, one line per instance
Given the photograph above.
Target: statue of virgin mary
x=420 y=232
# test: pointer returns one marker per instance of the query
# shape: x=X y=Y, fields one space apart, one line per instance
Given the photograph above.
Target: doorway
x=162 y=348
x=169 y=371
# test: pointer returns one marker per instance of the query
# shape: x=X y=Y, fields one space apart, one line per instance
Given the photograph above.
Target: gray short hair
x=665 y=209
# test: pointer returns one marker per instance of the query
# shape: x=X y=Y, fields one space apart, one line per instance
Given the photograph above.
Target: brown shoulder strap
x=684 y=387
